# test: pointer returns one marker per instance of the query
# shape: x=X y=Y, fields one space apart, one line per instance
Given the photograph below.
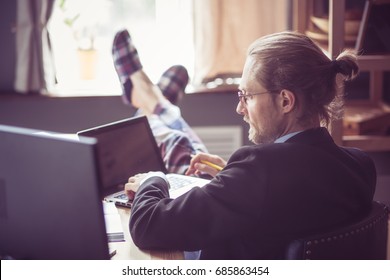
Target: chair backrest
x=364 y=240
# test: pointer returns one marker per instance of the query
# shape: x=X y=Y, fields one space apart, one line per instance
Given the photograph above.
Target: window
x=163 y=32
x=82 y=33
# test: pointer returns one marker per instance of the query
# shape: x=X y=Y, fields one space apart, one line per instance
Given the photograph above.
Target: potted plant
x=83 y=25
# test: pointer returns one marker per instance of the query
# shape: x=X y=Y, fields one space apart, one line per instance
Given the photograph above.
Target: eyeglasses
x=244 y=97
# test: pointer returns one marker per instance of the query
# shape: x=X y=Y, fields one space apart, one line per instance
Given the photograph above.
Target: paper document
x=113 y=223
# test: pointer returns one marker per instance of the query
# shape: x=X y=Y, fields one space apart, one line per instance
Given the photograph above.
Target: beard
x=254 y=136
x=263 y=135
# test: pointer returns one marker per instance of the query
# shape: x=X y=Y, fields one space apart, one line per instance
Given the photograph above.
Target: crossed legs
x=176 y=140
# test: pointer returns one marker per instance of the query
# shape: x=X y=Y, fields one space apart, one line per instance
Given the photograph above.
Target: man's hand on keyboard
x=133 y=184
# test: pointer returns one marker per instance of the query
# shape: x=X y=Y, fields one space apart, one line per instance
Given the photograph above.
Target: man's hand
x=133 y=184
x=206 y=163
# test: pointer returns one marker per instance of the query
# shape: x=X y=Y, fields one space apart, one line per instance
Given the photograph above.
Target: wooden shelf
x=374 y=64
x=369 y=143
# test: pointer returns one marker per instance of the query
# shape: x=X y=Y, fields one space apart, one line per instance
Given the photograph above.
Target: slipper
x=173 y=83
x=126 y=61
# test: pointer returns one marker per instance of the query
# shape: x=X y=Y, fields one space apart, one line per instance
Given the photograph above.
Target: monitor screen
x=125 y=148
x=49 y=197
x=375 y=29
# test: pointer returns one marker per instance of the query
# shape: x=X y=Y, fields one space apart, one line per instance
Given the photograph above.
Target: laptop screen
x=125 y=148
x=49 y=197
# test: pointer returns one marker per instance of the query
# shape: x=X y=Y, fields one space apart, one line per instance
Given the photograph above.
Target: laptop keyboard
x=121 y=196
x=175 y=183
x=178 y=182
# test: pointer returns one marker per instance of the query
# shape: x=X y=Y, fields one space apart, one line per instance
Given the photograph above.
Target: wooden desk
x=128 y=251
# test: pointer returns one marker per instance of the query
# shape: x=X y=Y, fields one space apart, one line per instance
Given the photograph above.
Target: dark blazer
x=266 y=196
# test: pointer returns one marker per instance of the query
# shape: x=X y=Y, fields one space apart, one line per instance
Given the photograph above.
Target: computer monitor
x=50 y=207
x=374 y=31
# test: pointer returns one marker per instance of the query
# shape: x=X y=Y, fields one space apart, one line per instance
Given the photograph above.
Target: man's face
x=261 y=111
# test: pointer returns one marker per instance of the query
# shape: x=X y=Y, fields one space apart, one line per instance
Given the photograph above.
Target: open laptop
x=126 y=148
x=50 y=206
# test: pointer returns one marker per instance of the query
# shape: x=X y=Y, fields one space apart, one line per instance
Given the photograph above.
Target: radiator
x=220 y=140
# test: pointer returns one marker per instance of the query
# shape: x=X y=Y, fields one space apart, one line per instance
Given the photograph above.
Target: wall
x=71 y=114
x=65 y=115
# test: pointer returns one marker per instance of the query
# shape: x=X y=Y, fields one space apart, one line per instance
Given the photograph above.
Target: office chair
x=364 y=240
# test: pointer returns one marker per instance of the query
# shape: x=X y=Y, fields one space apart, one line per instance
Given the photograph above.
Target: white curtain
x=225 y=28
x=35 y=71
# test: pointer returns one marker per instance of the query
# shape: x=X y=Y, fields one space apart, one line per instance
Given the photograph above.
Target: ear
x=288 y=101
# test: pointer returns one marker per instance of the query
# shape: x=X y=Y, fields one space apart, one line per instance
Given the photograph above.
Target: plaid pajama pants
x=175 y=138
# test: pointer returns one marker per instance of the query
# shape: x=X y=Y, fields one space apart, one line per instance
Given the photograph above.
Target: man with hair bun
x=294 y=181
